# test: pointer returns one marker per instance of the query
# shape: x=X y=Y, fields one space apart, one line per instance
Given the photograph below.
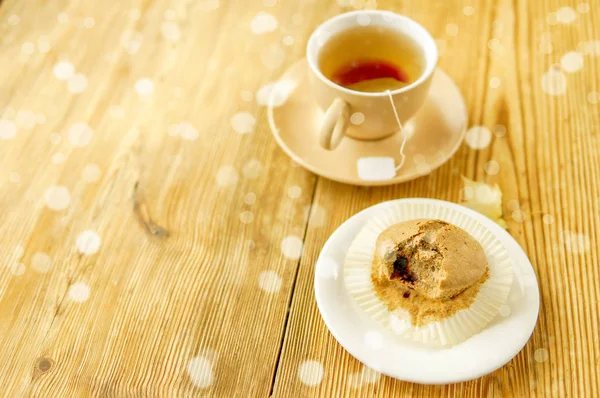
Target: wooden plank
x=188 y=218
x=548 y=170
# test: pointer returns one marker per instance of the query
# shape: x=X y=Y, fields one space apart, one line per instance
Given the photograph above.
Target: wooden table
x=142 y=235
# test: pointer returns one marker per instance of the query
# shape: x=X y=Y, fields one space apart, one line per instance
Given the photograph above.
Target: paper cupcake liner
x=449 y=331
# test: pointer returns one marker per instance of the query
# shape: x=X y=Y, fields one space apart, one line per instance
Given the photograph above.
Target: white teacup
x=339 y=102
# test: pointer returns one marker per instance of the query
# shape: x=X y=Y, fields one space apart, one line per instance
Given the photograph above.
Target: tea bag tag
x=376 y=168
x=404 y=135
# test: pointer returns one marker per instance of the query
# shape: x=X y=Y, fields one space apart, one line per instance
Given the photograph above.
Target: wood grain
x=548 y=164
x=175 y=304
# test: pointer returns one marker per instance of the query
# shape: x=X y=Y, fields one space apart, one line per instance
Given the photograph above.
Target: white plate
x=378 y=349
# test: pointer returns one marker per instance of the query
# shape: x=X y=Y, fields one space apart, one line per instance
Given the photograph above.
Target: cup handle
x=335 y=124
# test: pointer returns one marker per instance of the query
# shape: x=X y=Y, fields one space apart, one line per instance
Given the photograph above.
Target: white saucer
x=435 y=133
x=378 y=349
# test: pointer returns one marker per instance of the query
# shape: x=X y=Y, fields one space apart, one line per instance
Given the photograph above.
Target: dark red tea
x=359 y=71
x=371 y=59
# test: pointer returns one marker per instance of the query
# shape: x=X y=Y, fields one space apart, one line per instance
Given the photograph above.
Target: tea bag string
x=404 y=137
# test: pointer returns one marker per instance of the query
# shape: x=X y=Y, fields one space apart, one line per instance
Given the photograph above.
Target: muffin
x=424 y=265
x=436 y=259
x=433 y=280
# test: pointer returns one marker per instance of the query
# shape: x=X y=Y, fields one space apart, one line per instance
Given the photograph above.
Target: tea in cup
x=362 y=65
